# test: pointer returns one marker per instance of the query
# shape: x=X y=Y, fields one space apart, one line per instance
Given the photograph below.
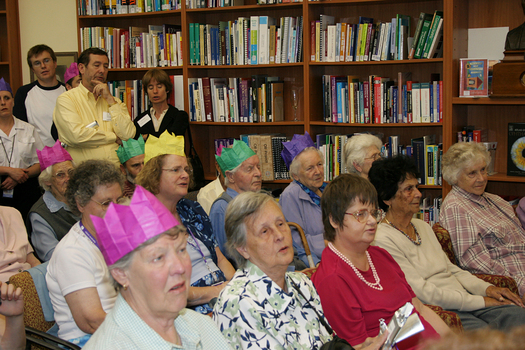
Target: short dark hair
x=341 y=194
x=85 y=55
x=387 y=174
x=37 y=50
x=160 y=76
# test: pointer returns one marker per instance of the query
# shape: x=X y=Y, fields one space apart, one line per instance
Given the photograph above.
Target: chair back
x=446 y=243
x=305 y=242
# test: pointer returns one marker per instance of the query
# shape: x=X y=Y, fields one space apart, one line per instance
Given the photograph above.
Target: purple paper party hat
x=52 y=155
x=296 y=146
x=4 y=86
x=71 y=72
x=125 y=227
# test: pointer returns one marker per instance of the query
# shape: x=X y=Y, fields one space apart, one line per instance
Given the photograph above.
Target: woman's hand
x=501 y=296
x=19 y=175
x=12 y=300
x=372 y=343
x=9 y=184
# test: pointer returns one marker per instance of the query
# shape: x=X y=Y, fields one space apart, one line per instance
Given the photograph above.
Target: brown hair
x=37 y=50
x=149 y=176
x=339 y=195
x=160 y=76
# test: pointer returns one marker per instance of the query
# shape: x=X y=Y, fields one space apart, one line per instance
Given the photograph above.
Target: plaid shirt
x=486 y=235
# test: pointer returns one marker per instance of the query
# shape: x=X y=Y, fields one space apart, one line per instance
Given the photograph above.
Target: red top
x=353 y=308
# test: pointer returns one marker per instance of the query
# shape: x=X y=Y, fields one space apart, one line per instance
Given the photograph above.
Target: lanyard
x=88 y=234
x=198 y=247
x=9 y=158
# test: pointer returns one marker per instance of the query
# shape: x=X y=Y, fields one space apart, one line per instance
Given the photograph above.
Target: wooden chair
x=305 y=243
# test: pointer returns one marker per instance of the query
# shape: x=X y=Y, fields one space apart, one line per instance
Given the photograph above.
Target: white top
x=157 y=121
x=27 y=141
x=76 y=264
x=209 y=193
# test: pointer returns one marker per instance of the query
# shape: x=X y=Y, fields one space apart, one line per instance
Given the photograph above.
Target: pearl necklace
x=376 y=285
x=418 y=237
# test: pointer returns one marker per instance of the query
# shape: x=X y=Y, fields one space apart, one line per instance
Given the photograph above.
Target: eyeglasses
x=178 y=170
x=375 y=156
x=106 y=203
x=61 y=175
x=474 y=174
x=363 y=214
x=38 y=63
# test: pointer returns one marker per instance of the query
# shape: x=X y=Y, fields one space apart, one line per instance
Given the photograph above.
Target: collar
x=52 y=203
x=480 y=200
x=231 y=192
x=152 y=112
x=49 y=88
x=143 y=336
x=313 y=196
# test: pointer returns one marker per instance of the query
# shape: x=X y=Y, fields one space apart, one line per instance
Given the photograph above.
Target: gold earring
x=125 y=287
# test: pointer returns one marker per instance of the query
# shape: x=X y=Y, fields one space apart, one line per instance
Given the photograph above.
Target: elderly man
x=131 y=157
x=35 y=102
x=242 y=173
x=89 y=120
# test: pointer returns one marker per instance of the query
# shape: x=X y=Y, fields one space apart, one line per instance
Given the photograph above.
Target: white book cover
x=263 y=40
x=348 y=44
x=178 y=90
x=435 y=100
x=331 y=41
x=278 y=46
x=425 y=102
x=386 y=43
x=416 y=103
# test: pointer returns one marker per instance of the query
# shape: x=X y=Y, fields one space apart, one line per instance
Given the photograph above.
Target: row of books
x=254 y=40
x=241 y=100
x=429 y=209
x=137 y=47
x=114 y=7
x=197 y=4
x=268 y=147
x=378 y=100
x=428 y=36
x=134 y=95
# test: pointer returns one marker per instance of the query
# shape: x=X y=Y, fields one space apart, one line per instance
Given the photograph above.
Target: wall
x=50 y=22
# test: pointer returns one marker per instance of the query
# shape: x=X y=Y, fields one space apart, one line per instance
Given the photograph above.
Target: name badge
x=8 y=193
x=144 y=120
x=106 y=117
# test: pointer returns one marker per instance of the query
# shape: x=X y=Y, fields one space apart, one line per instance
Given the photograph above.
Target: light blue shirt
x=217 y=217
x=124 y=329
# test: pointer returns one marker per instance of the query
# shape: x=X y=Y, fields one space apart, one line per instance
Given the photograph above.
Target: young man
x=131 y=157
x=89 y=120
x=35 y=102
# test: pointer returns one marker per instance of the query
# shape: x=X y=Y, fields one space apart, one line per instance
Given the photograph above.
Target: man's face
x=95 y=72
x=44 y=67
x=134 y=165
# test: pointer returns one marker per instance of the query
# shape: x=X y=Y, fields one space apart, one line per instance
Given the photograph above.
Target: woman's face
x=157 y=92
x=174 y=177
x=99 y=203
x=354 y=232
x=407 y=197
x=474 y=178
x=311 y=173
x=6 y=104
x=372 y=154
x=268 y=240
x=60 y=179
x=158 y=277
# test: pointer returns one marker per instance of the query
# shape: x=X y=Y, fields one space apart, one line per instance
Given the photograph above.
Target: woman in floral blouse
x=263 y=306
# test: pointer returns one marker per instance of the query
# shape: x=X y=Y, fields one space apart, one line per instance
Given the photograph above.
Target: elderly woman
x=50 y=217
x=263 y=306
x=167 y=176
x=360 y=152
x=77 y=275
x=432 y=276
x=161 y=116
x=19 y=165
x=360 y=284
x=486 y=235
x=301 y=200
x=151 y=268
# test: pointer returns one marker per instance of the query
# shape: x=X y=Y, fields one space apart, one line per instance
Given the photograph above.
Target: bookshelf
x=459 y=15
x=10 y=57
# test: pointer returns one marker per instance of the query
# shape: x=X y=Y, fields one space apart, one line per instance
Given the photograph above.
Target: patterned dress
x=253 y=312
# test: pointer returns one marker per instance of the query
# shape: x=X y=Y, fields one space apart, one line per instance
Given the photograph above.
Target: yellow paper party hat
x=165 y=144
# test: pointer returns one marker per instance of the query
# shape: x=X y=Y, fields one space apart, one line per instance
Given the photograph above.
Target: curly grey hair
x=355 y=150
x=241 y=208
x=125 y=262
x=297 y=164
x=85 y=179
x=460 y=156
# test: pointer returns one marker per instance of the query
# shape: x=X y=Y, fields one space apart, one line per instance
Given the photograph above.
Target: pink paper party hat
x=52 y=155
x=71 y=72
x=125 y=227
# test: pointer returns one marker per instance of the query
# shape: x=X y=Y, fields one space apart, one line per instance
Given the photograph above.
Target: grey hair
x=296 y=164
x=355 y=150
x=125 y=262
x=85 y=179
x=460 y=156
x=233 y=171
x=47 y=174
x=240 y=209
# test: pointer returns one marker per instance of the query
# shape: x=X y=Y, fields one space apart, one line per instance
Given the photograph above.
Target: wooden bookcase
x=10 y=57
x=459 y=15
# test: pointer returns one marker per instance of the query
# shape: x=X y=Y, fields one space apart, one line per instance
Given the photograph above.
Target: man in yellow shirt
x=89 y=120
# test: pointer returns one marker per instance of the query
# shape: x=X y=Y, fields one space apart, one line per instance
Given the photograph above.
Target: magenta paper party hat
x=296 y=146
x=71 y=72
x=52 y=155
x=125 y=227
